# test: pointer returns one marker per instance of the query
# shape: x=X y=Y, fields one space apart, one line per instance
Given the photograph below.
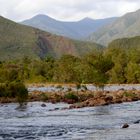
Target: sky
x=66 y=10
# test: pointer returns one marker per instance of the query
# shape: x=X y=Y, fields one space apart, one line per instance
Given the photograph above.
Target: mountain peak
x=125 y=26
x=76 y=30
x=42 y=16
x=87 y=19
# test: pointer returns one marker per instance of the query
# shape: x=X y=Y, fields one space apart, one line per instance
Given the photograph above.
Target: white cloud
x=66 y=9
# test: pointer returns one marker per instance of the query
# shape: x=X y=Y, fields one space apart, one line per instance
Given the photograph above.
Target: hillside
x=17 y=41
x=76 y=30
x=126 y=43
x=125 y=26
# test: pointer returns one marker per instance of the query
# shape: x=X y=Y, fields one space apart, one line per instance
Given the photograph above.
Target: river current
x=35 y=122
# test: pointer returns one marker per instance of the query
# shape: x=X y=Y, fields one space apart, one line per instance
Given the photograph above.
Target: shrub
x=3 y=91
x=22 y=92
x=129 y=94
x=44 y=97
x=71 y=96
x=14 y=90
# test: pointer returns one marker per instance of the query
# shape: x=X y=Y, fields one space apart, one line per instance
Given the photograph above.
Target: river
x=89 y=87
x=95 y=123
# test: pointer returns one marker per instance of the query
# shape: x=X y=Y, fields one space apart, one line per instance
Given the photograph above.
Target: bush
x=3 y=91
x=22 y=92
x=71 y=96
x=129 y=94
x=44 y=97
x=14 y=90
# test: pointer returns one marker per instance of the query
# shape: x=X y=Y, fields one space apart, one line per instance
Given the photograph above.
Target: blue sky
x=66 y=10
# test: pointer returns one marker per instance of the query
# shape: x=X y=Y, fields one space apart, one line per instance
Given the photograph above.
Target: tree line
x=110 y=65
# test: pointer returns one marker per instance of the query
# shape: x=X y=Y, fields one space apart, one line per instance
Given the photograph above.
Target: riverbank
x=80 y=99
x=80 y=95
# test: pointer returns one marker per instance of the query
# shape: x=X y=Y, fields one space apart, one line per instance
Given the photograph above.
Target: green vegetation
x=11 y=82
x=44 y=97
x=71 y=96
x=125 y=54
x=129 y=94
x=33 y=56
x=14 y=90
x=18 y=41
x=119 y=63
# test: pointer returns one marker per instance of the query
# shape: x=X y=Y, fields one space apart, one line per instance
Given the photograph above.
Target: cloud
x=66 y=9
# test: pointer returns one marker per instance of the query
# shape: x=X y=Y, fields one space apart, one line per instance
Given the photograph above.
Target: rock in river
x=125 y=125
x=43 y=105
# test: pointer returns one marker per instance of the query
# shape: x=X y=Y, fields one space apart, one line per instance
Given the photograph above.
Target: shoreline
x=73 y=84
x=80 y=99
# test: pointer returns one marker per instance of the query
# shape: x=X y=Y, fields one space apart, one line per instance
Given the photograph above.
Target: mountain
x=125 y=26
x=18 y=41
x=76 y=30
x=126 y=43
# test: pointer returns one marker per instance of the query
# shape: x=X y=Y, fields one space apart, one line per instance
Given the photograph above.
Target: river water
x=89 y=87
x=95 y=123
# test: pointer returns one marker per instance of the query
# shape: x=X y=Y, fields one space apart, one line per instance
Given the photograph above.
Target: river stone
x=108 y=98
x=136 y=122
x=125 y=125
x=43 y=105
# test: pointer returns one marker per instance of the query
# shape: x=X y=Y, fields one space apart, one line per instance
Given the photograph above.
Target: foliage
x=44 y=97
x=129 y=94
x=14 y=90
x=119 y=63
x=22 y=92
x=71 y=96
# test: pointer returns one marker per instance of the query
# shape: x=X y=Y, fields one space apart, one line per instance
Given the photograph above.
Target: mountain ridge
x=125 y=26
x=18 y=41
x=75 y=30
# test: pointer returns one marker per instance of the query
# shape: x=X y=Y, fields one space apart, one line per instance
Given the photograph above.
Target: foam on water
x=39 y=123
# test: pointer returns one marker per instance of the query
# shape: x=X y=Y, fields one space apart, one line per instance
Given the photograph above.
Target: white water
x=95 y=123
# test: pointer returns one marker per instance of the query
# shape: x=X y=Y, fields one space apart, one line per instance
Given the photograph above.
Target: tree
x=133 y=73
x=65 y=69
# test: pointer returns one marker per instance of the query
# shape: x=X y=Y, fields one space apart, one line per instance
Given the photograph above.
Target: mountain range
x=18 y=41
x=101 y=31
x=125 y=26
x=75 y=30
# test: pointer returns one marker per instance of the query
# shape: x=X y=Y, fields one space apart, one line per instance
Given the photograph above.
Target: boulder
x=125 y=125
x=136 y=122
x=43 y=105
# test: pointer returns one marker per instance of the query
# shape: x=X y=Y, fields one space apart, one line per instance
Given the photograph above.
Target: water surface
x=89 y=87
x=98 y=123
